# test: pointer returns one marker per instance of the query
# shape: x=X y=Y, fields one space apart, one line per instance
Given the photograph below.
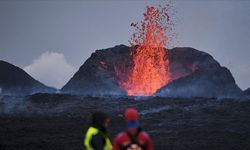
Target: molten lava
x=150 y=70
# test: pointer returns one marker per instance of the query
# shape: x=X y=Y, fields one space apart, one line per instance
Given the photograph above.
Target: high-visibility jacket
x=92 y=131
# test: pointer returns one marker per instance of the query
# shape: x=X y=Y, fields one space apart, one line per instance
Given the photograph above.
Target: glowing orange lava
x=150 y=69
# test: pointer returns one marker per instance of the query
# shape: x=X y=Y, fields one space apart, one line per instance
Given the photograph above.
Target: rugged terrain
x=176 y=117
x=54 y=121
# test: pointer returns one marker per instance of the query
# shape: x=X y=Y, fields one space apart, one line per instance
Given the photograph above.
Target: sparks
x=150 y=69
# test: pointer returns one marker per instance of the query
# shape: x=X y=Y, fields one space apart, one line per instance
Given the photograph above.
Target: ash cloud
x=51 y=68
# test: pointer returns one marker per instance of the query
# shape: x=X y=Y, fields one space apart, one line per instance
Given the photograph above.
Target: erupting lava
x=150 y=70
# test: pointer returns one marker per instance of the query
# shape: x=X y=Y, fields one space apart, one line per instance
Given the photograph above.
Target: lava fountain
x=150 y=70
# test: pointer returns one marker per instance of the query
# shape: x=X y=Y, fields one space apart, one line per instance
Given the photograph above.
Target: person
x=134 y=138
x=96 y=137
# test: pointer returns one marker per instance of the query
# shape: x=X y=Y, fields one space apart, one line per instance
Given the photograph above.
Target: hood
x=98 y=120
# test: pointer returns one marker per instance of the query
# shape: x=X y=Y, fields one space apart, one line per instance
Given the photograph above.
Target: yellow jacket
x=92 y=131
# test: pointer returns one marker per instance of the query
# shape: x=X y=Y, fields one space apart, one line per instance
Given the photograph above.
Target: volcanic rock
x=15 y=81
x=198 y=75
x=203 y=83
x=193 y=74
x=96 y=77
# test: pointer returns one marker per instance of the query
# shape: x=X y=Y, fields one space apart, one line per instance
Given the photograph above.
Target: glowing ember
x=150 y=69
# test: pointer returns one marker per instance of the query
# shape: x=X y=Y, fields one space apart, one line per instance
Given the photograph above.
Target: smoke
x=51 y=68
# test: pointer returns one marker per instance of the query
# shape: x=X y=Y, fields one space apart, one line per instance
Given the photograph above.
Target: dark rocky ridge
x=15 y=81
x=194 y=74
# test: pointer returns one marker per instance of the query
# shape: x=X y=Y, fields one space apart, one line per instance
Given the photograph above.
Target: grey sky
x=28 y=29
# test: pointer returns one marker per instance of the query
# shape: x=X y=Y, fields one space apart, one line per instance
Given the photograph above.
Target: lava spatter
x=150 y=70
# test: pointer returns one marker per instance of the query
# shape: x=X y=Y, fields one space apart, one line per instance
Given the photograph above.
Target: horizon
x=51 y=33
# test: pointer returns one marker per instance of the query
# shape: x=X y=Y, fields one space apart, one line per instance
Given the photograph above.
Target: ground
x=58 y=122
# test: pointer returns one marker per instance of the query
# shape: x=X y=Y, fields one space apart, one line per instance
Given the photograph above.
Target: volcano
x=193 y=73
x=146 y=68
x=15 y=81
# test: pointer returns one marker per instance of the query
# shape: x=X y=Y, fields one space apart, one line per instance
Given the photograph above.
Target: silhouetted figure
x=134 y=138
x=96 y=137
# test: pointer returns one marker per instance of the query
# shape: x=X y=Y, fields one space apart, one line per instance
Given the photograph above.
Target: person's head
x=101 y=120
x=131 y=117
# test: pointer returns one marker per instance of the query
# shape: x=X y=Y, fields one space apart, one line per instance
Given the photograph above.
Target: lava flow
x=150 y=70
